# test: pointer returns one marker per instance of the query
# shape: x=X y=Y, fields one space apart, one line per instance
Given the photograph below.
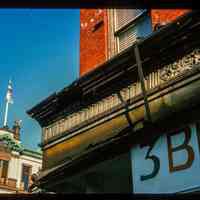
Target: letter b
x=185 y=145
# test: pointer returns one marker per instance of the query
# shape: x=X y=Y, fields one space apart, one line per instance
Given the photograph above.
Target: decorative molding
x=184 y=64
x=11 y=143
x=31 y=153
x=153 y=79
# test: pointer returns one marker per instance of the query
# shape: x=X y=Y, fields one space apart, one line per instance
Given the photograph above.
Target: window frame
x=2 y=168
x=131 y=22
x=126 y=27
x=30 y=167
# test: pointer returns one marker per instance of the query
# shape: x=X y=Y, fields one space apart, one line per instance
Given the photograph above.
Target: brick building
x=93 y=31
x=165 y=15
x=102 y=30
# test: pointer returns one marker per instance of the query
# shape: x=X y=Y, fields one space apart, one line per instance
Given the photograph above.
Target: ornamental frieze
x=152 y=80
x=184 y=64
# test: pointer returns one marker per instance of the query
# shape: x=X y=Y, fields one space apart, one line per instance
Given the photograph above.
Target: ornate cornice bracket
x=184 y=64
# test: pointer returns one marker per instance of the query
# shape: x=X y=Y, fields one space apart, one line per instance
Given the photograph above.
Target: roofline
x=7 y=129
x=89 y=77
x=32 y=153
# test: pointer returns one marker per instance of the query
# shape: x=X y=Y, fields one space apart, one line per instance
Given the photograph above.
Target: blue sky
x=39 y=50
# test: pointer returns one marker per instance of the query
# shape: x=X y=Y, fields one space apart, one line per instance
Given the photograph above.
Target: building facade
x=124 y=126
x=17 y=164
x=106 y=32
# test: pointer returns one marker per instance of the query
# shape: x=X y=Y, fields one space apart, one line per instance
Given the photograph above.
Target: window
x=125 y=16
x=26 y=173
x=4 y=168
x=128 y=25
x=125 y=39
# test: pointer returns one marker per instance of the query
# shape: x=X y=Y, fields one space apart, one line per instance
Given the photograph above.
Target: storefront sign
x=171 y=164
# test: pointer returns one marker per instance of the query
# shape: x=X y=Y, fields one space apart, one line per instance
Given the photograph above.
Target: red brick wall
x=93 y=43
x=165 y=15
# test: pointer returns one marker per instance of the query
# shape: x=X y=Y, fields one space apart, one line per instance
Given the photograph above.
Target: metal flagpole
x=8 y=100
x=6 y=115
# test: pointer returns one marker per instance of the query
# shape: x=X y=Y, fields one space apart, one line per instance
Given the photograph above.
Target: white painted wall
x=14 y=169
x=15 y=166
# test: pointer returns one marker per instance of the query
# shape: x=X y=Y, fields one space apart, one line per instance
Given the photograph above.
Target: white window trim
x=125 y=27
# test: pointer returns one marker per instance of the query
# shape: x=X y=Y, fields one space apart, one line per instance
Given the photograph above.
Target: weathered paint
x=79 y=143
x=177 y=155
x=171 y=100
